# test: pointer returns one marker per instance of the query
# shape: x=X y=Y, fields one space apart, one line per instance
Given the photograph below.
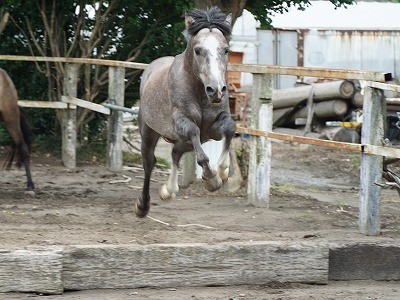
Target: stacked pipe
x=332 y=101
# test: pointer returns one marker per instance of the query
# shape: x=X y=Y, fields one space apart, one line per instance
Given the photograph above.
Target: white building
x=365 y=35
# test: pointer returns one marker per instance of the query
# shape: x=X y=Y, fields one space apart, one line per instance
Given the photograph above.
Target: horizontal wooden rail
x=86 y=104
x=383 y=86
x=43 y=104
x=367 y=149
x=93 y=61
x=250 y=68
x=312 y=72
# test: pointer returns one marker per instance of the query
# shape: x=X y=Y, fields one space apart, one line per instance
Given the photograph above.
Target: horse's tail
x=28 y=138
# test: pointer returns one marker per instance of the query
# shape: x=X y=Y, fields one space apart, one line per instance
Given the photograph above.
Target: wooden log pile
x=307 y=108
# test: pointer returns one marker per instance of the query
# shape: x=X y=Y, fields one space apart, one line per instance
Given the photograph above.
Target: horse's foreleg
x=224 y=162
x=189 y=131
x=228 y=127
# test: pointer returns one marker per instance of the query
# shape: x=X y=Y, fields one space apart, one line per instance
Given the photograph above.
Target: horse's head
x=208 y=41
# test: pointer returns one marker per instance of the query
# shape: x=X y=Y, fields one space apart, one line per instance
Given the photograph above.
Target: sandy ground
x=350 y=290
x=314 y=196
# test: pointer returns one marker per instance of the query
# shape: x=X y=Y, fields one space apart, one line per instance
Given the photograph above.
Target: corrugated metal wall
x=373 y=50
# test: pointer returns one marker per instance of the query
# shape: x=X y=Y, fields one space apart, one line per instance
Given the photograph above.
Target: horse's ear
x=228 y=19
x=188 y=20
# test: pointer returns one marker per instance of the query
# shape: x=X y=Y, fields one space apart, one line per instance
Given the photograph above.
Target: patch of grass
x=130 y=158
x=355 y=159
x=283 y=188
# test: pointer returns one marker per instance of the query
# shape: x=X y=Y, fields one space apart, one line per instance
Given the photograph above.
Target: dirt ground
x=314 y=196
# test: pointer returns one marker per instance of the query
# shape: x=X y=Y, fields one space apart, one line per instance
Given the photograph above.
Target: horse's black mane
x=211 y=18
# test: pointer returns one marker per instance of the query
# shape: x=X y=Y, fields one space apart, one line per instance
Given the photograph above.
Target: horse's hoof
x=224 y=174
x=164 y=194
x=30 y=193
x=141 y=212
x=213 y=183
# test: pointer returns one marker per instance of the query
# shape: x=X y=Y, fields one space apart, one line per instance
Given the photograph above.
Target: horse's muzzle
x=215 y=94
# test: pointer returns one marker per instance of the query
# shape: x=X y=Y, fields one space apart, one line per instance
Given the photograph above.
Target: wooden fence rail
x=260 y=129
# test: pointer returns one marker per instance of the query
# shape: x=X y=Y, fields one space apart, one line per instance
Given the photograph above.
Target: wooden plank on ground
x=31 y=271
x=130 y=266
x=365 y=261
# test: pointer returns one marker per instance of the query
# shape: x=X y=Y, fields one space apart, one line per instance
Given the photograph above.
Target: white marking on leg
x=167 y=191
x=223 y=164
x=172 y=184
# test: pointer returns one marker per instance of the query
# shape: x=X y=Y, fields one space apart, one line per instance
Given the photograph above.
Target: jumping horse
x=17 y=127
x=184 y=100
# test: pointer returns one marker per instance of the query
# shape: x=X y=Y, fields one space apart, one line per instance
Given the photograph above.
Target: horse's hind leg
x=149 y=142
x=14 y=130
x=24 y=155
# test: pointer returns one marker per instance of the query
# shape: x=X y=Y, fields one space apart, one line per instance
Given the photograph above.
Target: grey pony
x=184 y=100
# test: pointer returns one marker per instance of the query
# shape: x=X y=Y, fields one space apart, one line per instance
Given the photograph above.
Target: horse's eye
x=197 y=51
x=226 y=50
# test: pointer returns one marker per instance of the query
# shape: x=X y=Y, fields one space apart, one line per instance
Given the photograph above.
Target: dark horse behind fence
x=17 y=127
x=184 y=100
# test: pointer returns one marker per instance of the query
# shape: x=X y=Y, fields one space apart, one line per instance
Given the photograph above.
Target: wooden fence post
x=116 y=90
x=188 y=169
x=258 y=187
x=373 y=130
x=68 y=117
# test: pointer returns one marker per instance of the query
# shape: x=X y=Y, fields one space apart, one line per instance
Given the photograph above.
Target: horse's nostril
x=210 y=91
x=223 y=90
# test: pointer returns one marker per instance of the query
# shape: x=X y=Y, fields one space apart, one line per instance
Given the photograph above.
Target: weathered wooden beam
x=130 y=266
x=311 y=72
x=31 y=271
x=372 y=133
x=68 y=118
x=365 y=261
x=86 y=104
x=43 y=104
x=116 y=91
x=93 y=61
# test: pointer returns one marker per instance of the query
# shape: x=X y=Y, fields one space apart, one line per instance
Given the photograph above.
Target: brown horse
x=17 y=127
x=184 y=100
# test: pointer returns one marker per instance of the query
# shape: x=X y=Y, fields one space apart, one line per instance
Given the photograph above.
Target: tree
x=116 y=29
x=262 y=10
x=139 y=30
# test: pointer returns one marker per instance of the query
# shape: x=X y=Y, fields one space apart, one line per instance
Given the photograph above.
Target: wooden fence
x=260 y=128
